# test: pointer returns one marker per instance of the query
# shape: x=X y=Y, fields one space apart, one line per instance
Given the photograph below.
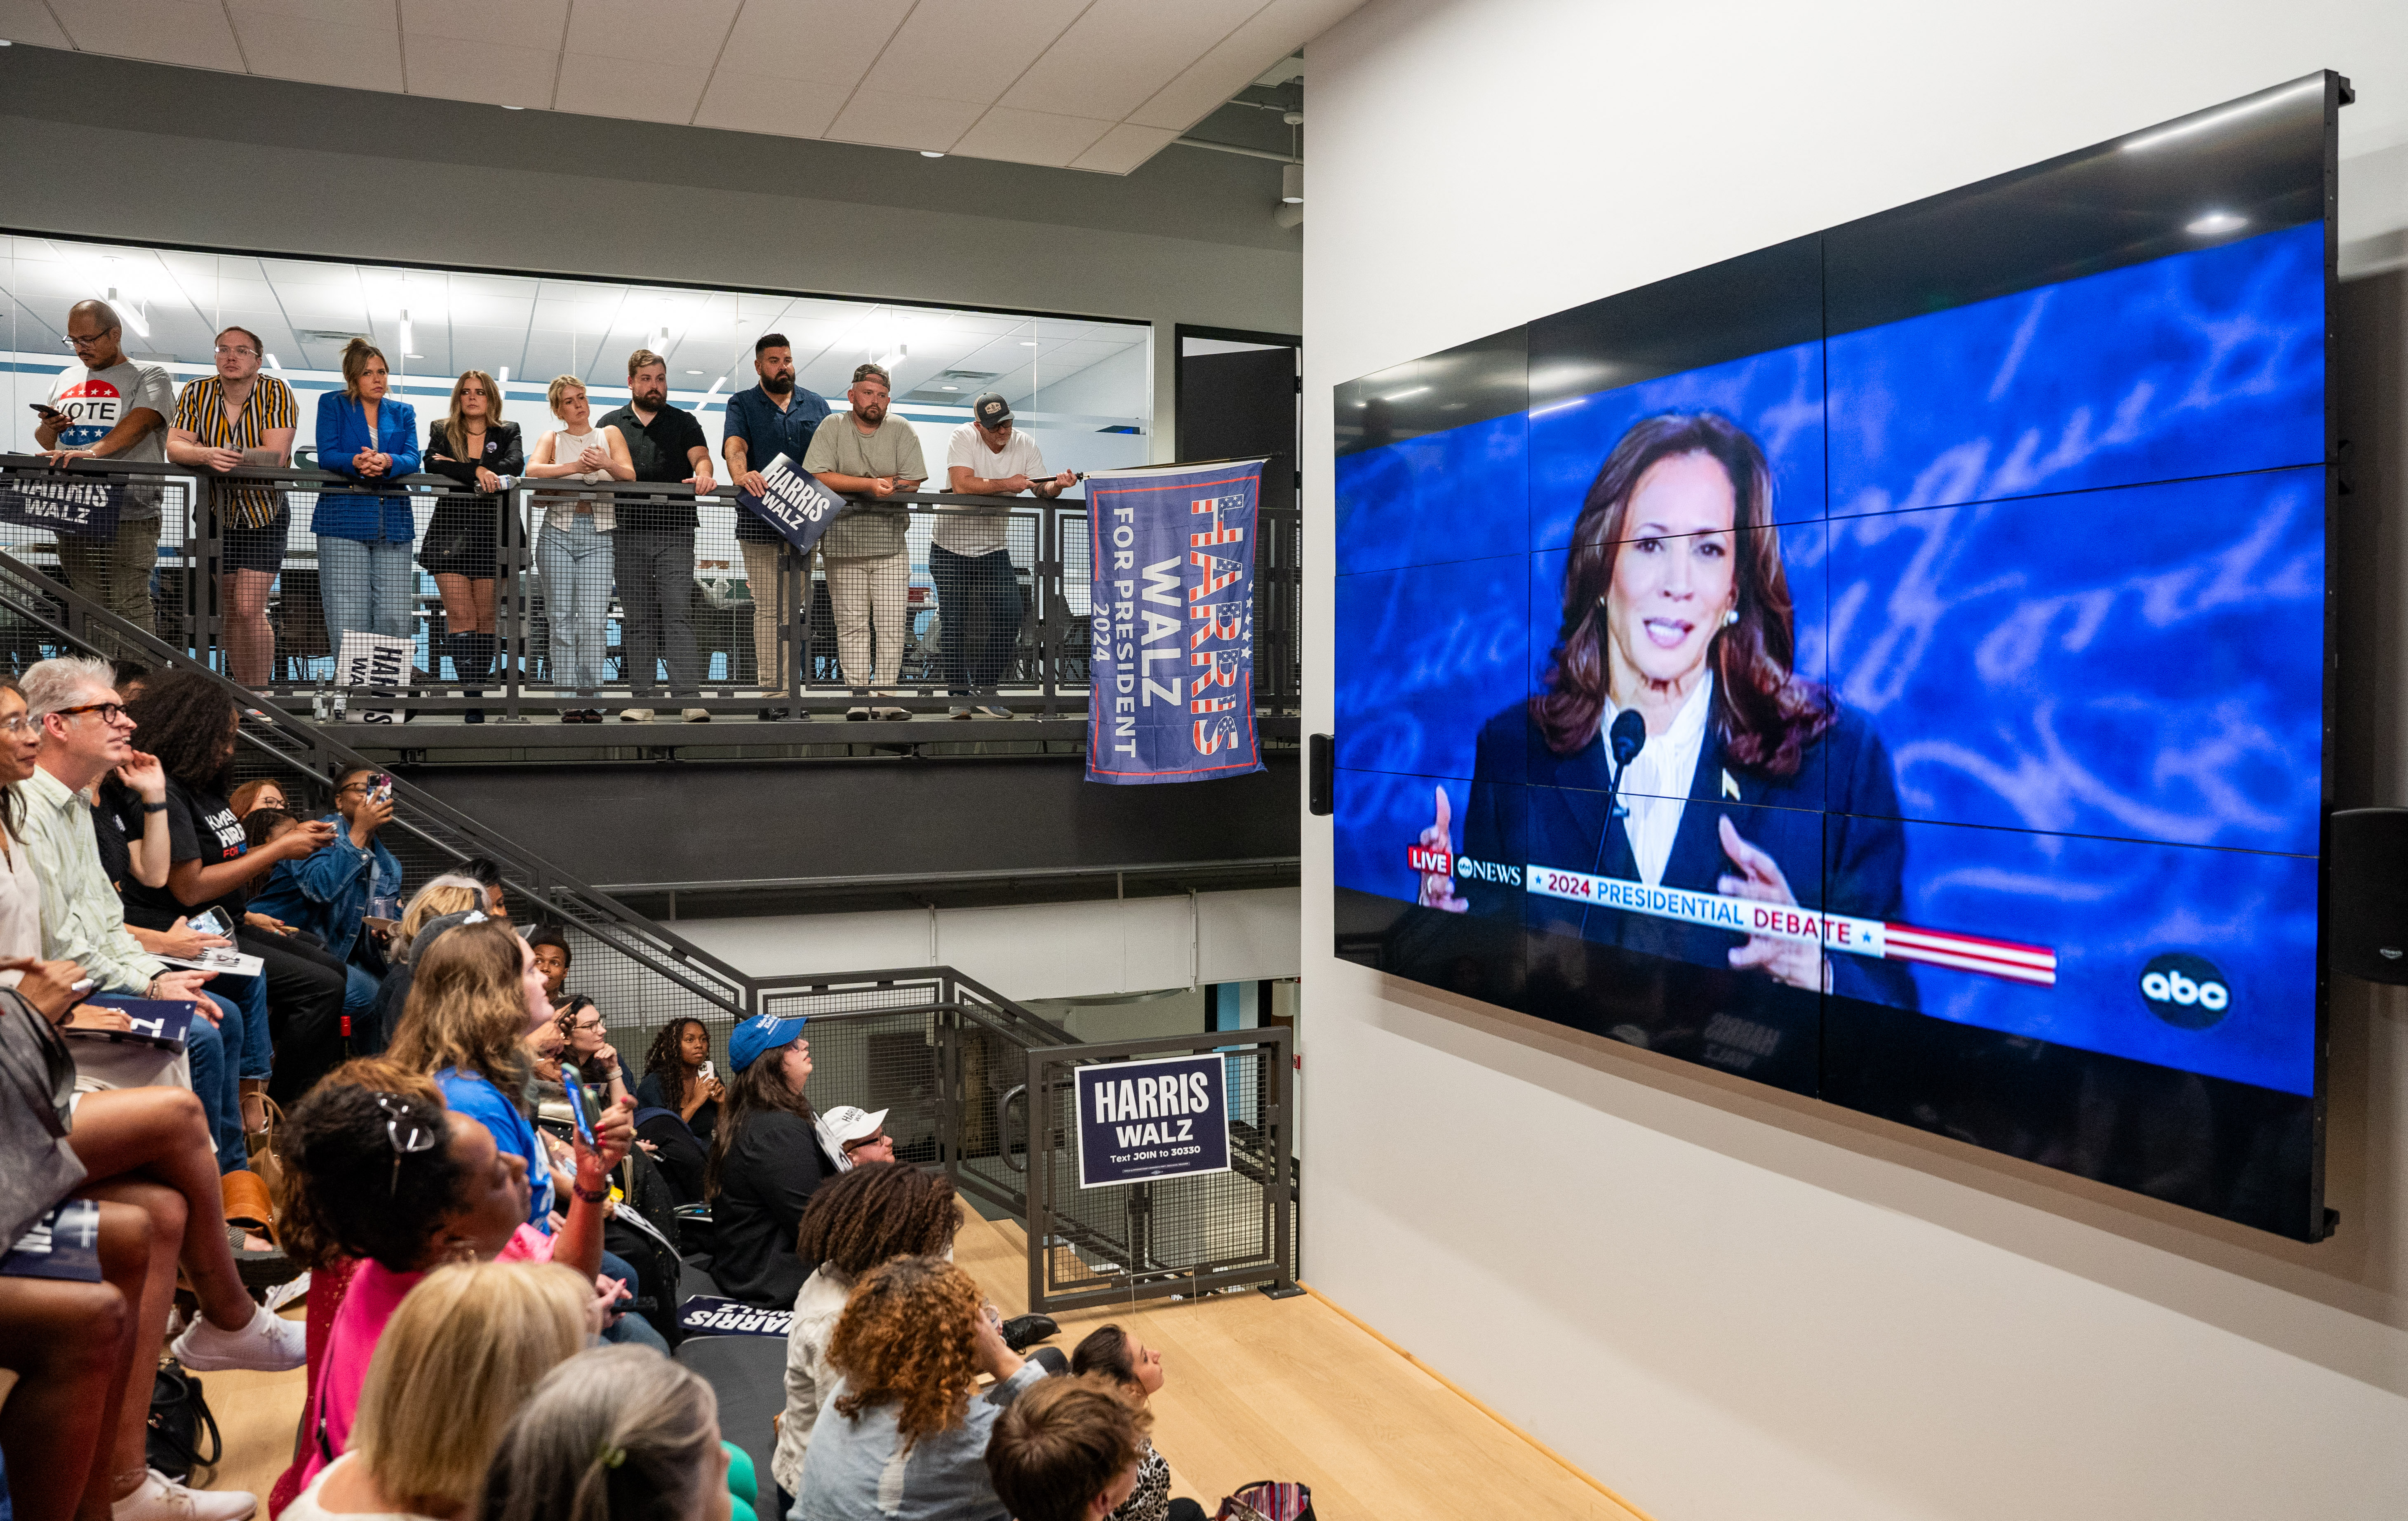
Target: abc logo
x=2186 y=991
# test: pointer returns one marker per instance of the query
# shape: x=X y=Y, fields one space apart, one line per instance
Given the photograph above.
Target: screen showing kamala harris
x=1890 y=665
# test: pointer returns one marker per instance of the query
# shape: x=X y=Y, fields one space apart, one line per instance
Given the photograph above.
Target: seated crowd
x=491 y=1221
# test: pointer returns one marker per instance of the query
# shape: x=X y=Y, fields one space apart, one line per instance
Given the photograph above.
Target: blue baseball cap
x=764 y=1032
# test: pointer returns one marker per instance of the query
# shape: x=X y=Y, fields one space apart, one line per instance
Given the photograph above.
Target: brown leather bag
x=248 y=1202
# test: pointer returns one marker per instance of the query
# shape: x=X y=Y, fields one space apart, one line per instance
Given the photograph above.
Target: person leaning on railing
x=365 y=577
x=476 y=447
x=106 y=406
x=978 y=598
x=574 y=551
x=875 y=455
x=219 y=420
x=653 y=552
x=773 y=418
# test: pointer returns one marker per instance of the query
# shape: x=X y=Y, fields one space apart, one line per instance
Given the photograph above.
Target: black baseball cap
x=991 y=410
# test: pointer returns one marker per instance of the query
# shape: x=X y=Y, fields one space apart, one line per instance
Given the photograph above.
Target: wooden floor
x=1256 y=1388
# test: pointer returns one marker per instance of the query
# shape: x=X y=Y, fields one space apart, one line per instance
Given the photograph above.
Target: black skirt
x=460 y=537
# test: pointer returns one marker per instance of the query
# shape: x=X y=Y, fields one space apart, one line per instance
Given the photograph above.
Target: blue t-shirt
x=768 y=431
x=469 y=1094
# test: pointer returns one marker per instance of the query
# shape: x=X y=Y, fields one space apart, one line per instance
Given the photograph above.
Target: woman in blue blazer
x=365 y=576
x=1750 y=782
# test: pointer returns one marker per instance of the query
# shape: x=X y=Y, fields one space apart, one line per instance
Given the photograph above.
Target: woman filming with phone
x=331 y=891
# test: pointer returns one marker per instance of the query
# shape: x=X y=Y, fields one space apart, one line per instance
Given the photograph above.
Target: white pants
x=863 y=592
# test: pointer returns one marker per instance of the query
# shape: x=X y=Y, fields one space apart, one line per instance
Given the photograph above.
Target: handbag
x=179 y=1417
x=1266 y=1500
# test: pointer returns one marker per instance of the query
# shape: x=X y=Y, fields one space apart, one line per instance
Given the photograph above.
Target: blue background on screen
x=2119 y=682
x=2195 y=365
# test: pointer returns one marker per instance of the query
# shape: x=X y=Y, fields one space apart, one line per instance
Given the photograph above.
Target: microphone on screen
x=1624 y=740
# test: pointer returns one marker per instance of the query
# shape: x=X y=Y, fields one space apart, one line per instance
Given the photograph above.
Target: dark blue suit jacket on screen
x=1833 y=829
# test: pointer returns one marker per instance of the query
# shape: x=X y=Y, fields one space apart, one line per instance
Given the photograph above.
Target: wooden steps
x=1262 y=1388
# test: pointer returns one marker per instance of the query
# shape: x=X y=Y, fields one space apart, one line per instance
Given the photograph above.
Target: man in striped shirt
x=218 y=419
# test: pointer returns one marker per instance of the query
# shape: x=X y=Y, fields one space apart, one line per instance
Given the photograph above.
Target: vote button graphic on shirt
x=1146 y=1120
x=95 y=406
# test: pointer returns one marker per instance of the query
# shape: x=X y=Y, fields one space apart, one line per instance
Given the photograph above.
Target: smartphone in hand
x=211 y=922
x=584 y=1110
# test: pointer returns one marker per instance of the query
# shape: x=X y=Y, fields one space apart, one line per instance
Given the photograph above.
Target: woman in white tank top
x=572 y=552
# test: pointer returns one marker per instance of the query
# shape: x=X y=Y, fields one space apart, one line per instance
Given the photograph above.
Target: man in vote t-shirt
x=94 y=398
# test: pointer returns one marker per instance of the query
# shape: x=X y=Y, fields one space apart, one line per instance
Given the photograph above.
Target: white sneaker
x=269 y=1345
x=695 y=715
x=162 y=1498
x=635 y=715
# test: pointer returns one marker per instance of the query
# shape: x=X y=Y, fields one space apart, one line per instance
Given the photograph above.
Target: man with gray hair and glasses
x=86 y=735
x=106 y=406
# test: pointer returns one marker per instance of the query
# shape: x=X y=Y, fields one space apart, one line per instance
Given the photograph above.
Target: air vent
x=332 y=334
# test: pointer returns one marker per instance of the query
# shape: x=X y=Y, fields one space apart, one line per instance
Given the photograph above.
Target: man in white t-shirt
x=978 y=595
x=105 y=406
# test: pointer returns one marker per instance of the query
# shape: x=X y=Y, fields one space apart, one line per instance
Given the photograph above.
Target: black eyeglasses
x=109 y=712
x=407 y=1131
x=71 y=341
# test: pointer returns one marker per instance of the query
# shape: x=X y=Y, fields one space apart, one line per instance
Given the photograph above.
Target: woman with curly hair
x=379 y=1170
x=189 y=722
x=902 y=1423
x=674 y=1077
x=874 y=1213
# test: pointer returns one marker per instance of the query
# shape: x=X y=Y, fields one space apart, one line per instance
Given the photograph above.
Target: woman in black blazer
x=476 y=447
x=1677 y=610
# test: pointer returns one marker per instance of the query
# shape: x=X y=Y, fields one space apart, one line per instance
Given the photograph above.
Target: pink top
x=375 y=1292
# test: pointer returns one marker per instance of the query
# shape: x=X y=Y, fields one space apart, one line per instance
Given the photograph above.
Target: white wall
x=1721 y=1301
x=1034 y=951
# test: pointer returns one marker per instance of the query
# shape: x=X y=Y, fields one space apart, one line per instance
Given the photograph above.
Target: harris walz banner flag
x=1171 y=687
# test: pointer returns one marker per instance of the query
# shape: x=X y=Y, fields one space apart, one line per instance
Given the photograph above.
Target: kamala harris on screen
x=1676 y=607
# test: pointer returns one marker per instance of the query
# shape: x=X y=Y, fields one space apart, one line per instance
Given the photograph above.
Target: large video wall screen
x=1889 y=666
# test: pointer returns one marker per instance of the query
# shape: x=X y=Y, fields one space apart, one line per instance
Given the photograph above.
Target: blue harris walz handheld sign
x=793 y=503
x=1142 y=1121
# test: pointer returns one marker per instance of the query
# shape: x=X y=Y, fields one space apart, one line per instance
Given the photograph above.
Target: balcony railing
x=268 y=606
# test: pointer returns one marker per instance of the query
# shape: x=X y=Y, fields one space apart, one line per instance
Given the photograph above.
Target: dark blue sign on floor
x=1145 y=1120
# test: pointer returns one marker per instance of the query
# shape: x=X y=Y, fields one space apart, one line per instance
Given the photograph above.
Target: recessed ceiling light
x=2216 y=222
x=694 y=372
x=930 y=152
x=949 y=388
x=514 y=107
x=413 y=356
x=1028 y=343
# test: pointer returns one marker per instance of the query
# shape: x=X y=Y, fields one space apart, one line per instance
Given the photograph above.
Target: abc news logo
x=1438 y=863
x=2186 y=991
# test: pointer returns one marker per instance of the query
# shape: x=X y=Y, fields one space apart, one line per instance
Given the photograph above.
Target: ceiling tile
x=814 y=41
x=629 y=89
x=193 y=33
x=895 y=121
x=453 y=68
x=372 y=15
x=1030 y=137
x=768 y=103
x=509 y=23
x=1117 y=55
x=1124 y=149
x=31 y=24
x=1273 y=33
x=285 y=46
x=688 y=33
x=963 y=49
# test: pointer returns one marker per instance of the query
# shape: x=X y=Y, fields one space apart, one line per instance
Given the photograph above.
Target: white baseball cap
x=846 y=1123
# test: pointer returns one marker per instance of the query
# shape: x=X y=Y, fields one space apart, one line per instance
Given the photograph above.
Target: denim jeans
x=977 y=617
x=577 y=568
x=253 y=1047
x=365 y=586
x=656 y=571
